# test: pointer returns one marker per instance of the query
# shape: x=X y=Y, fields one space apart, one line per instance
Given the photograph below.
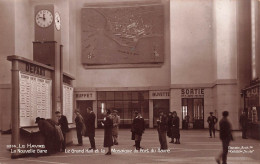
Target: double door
x=192 y=113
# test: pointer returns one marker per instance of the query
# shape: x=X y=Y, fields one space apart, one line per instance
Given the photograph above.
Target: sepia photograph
x=129 y=81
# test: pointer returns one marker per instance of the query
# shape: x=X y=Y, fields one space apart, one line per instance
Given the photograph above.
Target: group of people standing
x=54 y=132
x=85 y=126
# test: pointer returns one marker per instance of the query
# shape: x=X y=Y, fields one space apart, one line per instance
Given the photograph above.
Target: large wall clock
x=44 y=18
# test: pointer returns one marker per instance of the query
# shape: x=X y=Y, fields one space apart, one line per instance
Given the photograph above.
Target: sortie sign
x=192 y=93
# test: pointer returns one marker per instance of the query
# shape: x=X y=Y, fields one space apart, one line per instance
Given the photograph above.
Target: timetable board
x=68 y=102
x=34 y=98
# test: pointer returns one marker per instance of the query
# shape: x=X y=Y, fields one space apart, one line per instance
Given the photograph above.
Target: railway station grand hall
x=189 y=56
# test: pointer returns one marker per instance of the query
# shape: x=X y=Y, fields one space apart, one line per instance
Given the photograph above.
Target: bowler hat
x=37 y=119
x=210 y=112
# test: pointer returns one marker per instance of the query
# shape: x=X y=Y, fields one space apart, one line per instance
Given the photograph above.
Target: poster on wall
x=123 y=34
x=34 y=99
x=68 y=102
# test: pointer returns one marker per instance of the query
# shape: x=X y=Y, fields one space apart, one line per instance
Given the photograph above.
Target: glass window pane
x=127 y=95
x=119 y=96
x=134 y=95
x=127 y=104
x=110 y=105
x=110 y=95
x=119 y=104
x=136 y=105
x=101 y=95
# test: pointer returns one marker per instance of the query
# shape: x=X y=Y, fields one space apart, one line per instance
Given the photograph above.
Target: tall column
x=151 y=114
x=15 y=109
x=225 y=55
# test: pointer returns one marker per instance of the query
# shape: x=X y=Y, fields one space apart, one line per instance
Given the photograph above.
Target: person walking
x=169 y=127
x=63 y=123
x=244 y=123
x=138 y=128
x=176 y=128
x=116 y=122
x=90 y=127
x=162 y=129
x=225 y=133
x=212 y=120
x=108 y=126
x=80 y=127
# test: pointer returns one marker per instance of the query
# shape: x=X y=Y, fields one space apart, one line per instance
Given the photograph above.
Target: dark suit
x=162 y=129
x=212 y=120
x=79 y=127
x=244 y=123
x=138 y=127
x=108 y=126
x=90 y=128
x=176 y=127
x=225 y=136
x=63 y=122
x=48 y=131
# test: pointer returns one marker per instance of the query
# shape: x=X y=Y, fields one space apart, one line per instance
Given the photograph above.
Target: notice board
x=34 y=98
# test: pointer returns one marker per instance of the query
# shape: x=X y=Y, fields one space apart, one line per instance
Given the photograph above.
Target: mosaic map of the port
x=123 y=35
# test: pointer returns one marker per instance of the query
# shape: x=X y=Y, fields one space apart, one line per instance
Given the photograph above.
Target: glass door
x=192 y=113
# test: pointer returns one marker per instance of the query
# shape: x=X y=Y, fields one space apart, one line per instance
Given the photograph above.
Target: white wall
x=191 y=42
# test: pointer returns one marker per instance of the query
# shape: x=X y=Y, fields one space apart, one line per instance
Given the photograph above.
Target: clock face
x=57 y=21
x=44 y=18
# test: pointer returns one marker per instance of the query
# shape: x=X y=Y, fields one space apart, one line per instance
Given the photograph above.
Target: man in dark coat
x=138 y=128
x=169 y=130
x=48 y=132
x=244 y=123
x=225 y=132
x=108 y=127
x=80 y=127
x=63 y=123
x=212 y=120
x=90 y=127
x=176 y=128
x=162 y=129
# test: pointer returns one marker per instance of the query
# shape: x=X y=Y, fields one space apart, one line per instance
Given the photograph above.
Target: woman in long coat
x=108 y=126
x=175 y=127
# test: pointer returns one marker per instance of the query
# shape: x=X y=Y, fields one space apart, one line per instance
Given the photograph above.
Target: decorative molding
x=158 y=65
x=155 y=88
x=199 y=85
x=206 y=85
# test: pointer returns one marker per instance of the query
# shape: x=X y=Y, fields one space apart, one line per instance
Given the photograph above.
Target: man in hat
x=90 y=127
x=138 y=128
x=63 y=123
x=162 y=129
x=212 y=120
x=225 y=133
x=48 y=132
x=116 y=122
x=243 y=120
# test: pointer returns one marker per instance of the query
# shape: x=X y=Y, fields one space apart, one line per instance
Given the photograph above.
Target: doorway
x=82 y=106
x=193 y=113
x=160 y=105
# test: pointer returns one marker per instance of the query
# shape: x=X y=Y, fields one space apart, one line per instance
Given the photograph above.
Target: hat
x=115 y=111
x=210 y=112
x=37 y=119
x=136 y=112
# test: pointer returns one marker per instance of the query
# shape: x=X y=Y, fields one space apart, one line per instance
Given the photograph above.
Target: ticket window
x=192 y=113
x=82 y=106
x=160 y=105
